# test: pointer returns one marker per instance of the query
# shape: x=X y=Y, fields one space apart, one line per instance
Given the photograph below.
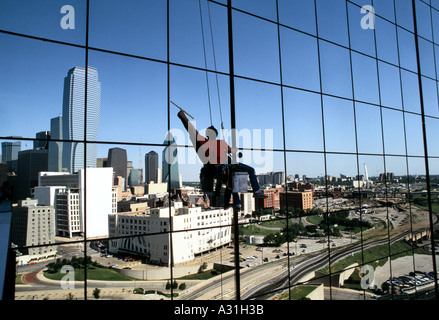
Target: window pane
x=390 y=86
x=336 y=71
x=365 y=78
x=424 y=20
x=404 y=14
x=407 y=50
x=432 y=133
x=23 y=62
x=303 y=110
x=299 y=60
x=386 y=41
x=339 y=114
x=332 y=21
x=369 y=133
x=415 y=140
x=298 y=14
x=264 y=120
x=360 y=39
x=135 y=85
x=138 y=29
x=393 y=127
x=410 y=91
x=186 y=36
x=262 y=8
x=385 y=9
x=429 y=89
x=255 y=44
x=46 y=19
x=426 y=56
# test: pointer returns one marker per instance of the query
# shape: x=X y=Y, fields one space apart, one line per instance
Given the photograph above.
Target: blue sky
x=134 y=93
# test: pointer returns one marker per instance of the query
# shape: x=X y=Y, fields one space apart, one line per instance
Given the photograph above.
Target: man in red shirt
x=216 y=152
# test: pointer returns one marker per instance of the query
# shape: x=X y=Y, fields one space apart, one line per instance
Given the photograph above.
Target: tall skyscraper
x=10 y=154
x=80 y=122
x=151 y=166
x=117 y=159
x=42 y=140
x=55 y=147
x=170 y=163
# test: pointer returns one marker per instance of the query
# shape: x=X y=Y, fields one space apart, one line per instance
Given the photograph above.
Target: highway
x=264 y=281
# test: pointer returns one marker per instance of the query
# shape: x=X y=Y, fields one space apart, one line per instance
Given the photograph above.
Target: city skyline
x=334 y=104
x=139 y=85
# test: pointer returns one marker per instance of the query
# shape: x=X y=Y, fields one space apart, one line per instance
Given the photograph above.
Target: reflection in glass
x=135 y=85
x=138 y=29
x=393 y=130
x=414 y=137
x=255 y=44
x=364 y=71
x=423 y=18
x=335 y=70
x=385 y=9
x=407 y=50
x=259 y=114
x=429 y=90
x=299 y=60
x=303 y=110
x=410 y=91
x=390 y=86
x=426 y=57
x=25 y=62
x=360 y=39
x=262 y=8
x=339 y=125
x=187 y=45
x=387 y=48
x=404 y=14
x=45 y=19
x=368 y=124
x=298 y=15
x=432 y=130
x=332 y=21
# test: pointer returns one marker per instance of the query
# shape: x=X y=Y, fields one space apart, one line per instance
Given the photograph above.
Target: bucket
x=240 y=182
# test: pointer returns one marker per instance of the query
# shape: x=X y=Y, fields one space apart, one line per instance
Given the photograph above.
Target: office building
x=151 y=166
x=117 y=159
x=187 y=243
x=296 y=199
x=170 y=173
x=88 y=193
x=33 y=225
x=79 y=122
x=42 y=140
x=55 y=146
x=10 y=152
x=30 y=163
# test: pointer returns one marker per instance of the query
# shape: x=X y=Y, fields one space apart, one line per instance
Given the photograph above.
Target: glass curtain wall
x=331 y=108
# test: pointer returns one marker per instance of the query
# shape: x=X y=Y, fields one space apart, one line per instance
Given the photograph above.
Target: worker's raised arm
x=196 y=138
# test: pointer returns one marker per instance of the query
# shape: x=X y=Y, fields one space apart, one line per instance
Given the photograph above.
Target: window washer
x=214 y=152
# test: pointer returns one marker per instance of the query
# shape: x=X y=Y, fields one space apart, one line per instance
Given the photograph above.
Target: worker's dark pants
x=253 y=181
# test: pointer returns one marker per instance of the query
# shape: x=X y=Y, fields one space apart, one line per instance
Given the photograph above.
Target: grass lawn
x=376 y=256
x=93 y=273
x=297 y=293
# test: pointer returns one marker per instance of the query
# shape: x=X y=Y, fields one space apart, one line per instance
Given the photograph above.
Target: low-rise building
x=296 y=199
x=170 y=235
x=33 y=225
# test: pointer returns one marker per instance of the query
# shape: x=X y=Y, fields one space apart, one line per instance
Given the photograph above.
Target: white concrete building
x=194 y=230
x=88 y=196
